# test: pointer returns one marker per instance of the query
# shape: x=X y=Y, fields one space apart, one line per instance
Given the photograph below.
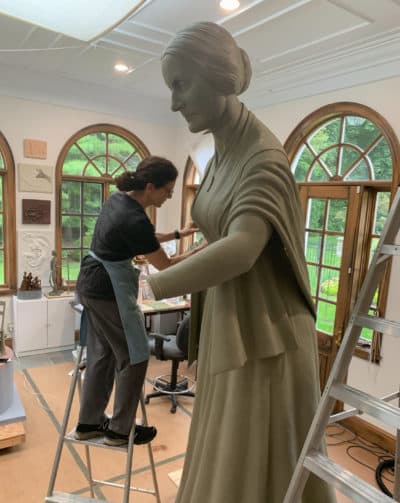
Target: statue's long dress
x=258 y=384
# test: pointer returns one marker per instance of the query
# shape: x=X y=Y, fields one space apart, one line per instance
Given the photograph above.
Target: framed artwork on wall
x=36 y=149
x=35 y=178
x=35 y=211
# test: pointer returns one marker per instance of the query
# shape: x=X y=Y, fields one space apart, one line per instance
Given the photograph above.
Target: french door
x=332 y=215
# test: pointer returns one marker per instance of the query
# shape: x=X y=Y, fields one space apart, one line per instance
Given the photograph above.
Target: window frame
x=293 y=143
x=189 y=190
x=141 y=149
x=9 y=219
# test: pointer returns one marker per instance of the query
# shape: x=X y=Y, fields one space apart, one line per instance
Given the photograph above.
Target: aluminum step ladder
x=62 y=497
x=312 y=459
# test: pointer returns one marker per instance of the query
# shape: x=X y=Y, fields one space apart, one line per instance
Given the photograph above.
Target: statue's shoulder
x=265 y=138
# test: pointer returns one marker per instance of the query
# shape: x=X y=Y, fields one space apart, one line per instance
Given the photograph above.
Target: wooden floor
x=43 y=383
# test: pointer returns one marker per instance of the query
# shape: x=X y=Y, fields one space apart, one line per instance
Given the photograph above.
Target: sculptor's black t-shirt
x=122 y=231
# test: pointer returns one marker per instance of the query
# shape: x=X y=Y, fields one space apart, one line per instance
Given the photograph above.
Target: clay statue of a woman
x=258 y=383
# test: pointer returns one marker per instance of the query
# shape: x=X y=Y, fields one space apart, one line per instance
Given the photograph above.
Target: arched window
x=344 y=157
x=344 y=148
x=86 y=167
x=8 y=273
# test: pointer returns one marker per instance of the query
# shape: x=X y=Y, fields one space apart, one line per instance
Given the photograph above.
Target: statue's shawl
x=267 y=188
x=247 y=319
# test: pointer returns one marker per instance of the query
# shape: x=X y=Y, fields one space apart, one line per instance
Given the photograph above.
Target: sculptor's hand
x=188 y=230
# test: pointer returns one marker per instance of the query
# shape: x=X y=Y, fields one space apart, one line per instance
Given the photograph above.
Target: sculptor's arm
x=221 y=261
x=169 y=236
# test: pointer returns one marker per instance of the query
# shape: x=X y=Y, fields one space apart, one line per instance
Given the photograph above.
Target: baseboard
x=371 y=433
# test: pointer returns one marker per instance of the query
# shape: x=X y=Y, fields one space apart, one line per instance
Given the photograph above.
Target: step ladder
x=60 y=497
x=312 y=459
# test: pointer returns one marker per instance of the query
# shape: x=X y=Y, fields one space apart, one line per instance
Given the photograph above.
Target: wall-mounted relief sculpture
x=35 y=178
x=34 y=254
x=36 y=211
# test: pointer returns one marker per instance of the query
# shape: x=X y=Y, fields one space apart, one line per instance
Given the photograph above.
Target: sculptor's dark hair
x=156 y=170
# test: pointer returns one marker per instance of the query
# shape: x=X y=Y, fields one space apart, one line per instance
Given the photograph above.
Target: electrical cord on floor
x=386 y=464
x=385 y=461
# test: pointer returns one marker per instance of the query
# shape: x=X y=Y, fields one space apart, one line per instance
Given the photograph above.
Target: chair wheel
x=146 y=400
x=173 y=410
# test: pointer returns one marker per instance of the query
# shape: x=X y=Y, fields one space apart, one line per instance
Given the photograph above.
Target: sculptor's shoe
x=88 y=431
x=143 y=435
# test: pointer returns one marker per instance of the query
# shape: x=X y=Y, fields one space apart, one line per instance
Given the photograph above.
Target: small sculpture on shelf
x=53 y=277
x=30 y=283
x=30 y=288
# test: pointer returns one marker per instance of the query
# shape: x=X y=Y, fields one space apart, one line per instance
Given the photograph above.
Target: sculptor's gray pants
x=108 y=358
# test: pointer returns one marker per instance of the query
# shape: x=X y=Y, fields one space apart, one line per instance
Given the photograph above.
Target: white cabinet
x=43 y=325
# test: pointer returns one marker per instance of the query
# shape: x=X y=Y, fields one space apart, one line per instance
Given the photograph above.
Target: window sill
x=365 y=354
x=5 y=292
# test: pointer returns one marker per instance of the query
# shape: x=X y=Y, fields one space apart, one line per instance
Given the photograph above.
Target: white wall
x=22 y=119
x=383 y=97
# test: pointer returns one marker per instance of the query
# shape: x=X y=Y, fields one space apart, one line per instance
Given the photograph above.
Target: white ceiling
x=297 y=47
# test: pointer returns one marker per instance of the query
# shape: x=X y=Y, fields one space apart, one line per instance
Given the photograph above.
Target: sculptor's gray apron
x=125 y=279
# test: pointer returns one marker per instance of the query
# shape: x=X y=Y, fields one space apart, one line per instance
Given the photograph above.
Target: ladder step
x=366 y=403
x=379 y=324
x=71 y=498
x=390 y=250
x=94 y=442
x=342 y=479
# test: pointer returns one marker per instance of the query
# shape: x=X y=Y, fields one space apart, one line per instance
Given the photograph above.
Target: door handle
x=338 y=337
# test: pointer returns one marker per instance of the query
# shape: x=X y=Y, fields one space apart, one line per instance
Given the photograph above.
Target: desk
x=150 y=307
x=164 y=306
x=155 y=307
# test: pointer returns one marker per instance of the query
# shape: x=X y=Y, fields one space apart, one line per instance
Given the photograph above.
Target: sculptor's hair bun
x=153 y=169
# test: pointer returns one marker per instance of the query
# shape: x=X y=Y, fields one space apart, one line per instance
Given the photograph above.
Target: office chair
x=175 y=348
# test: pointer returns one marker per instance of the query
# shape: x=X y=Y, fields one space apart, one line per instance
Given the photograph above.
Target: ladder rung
x=339 y=416
x=342 y=479
x=390 y=250
x=94 y=442
x=122 y=486
x=71 y=498
x=379 y=324
x=366 y=403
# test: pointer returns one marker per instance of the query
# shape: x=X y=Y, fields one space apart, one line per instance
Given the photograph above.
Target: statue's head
x=202 y=66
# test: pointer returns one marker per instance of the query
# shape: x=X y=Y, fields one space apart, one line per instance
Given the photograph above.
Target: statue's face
x=192 y=95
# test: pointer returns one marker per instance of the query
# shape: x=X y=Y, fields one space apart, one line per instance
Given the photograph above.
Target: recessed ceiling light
x=82 y=19
x=121 y=67
x=229 y=4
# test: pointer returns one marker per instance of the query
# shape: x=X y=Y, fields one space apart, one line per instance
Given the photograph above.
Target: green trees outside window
x=347 y=148
x=2 y=272
x=88 y=164
x=342 y=146
x=8 y=272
